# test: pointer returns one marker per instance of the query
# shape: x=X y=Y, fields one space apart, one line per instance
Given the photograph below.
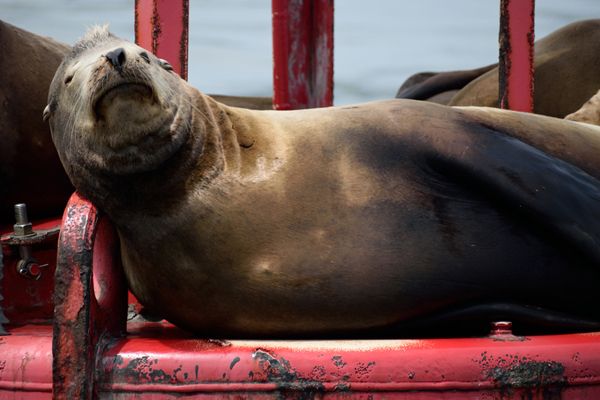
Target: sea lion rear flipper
x=425 y=85
x=557 y=197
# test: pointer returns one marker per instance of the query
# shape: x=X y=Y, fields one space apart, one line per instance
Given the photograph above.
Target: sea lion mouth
x=134 y=91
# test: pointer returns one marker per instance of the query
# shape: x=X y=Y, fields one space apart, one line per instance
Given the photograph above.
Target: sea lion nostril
x=116 y=57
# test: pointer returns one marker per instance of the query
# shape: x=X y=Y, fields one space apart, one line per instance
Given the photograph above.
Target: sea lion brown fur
x=30 y=170
x=338 y=221
x=566 y=72
x=589 y=112
x=566 y=75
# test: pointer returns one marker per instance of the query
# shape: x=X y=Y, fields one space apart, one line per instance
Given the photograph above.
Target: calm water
x=377 y=46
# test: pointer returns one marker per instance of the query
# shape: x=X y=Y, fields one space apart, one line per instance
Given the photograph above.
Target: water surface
x=378 y=43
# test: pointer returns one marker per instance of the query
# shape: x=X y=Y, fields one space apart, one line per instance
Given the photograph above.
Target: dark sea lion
x=30 y=171
x=361 y=220
x=438 y=87
x=566 y=72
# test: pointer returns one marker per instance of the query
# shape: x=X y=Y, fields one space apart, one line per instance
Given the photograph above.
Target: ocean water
x=378 y=44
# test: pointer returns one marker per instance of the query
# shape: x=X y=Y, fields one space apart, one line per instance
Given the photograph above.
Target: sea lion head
x=115 y=108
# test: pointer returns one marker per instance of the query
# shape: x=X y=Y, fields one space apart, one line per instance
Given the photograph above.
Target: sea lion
x=565 y=75
x=359 y=220
x=589 y=112
x=438 y=87
x=30 y=171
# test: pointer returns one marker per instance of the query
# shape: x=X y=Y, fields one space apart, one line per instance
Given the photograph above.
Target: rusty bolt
x=30 y=269
x=22 y=226
x=501 y=328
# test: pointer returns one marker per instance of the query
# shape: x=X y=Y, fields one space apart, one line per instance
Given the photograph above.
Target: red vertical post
x=161 y=26
x=516 y=54
x=302 y=53
x=89 y=298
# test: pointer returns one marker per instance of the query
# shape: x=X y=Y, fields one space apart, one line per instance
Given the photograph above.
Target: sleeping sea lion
x=361 y=220
x=438 y=87
x=30 y=171
x=566 y=75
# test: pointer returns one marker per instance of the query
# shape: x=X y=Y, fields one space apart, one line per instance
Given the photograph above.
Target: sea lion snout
x=116 y=57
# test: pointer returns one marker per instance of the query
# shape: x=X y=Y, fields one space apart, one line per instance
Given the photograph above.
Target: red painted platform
x=159 y=361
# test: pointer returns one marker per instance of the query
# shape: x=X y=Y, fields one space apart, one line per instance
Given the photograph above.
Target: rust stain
x=142 y=370
x=183 y=42
x=338 y=361
x=156 y=29
x=280 y=372
x=504 y=64
x=233 y=362
x=528 y=376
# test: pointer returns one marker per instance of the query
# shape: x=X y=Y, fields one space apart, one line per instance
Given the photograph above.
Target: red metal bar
x=89 y=296
x=157 y=363
x=161 y=26
x=516 y=54
x=302 y=53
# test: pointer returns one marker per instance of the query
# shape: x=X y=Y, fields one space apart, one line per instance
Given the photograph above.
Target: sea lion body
x=439 y=87
x=333 y=221
x=566 y=72
x=30 y=171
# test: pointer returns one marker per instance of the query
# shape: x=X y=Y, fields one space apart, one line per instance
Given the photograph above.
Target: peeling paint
x=518 y=372
x=279 y=371
x=142 y=370
x=233 y=362
x=338 y=361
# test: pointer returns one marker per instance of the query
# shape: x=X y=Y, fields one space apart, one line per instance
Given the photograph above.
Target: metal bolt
x=501 y=328
x=21 y=213
x=22 y=226
x=31 y=269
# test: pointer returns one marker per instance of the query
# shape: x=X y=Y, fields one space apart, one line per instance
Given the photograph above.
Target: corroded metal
x=516 y=54
x=89 y=297
x=164 y=362
x=161 y=26
x=29 y=300
x=302 y=53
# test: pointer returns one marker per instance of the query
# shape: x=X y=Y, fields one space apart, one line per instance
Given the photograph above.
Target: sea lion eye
x=165 y=64
x=145 y=56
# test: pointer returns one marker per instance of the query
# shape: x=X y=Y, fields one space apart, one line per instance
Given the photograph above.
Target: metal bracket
x=24 y=237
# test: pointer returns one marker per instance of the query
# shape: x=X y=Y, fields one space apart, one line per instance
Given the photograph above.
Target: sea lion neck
x=242 y=139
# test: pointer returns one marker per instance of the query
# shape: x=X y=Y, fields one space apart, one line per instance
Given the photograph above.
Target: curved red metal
x=89 y=297
x=161 y=363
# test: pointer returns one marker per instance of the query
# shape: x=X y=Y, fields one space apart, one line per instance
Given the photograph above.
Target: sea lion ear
x=46 y=113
